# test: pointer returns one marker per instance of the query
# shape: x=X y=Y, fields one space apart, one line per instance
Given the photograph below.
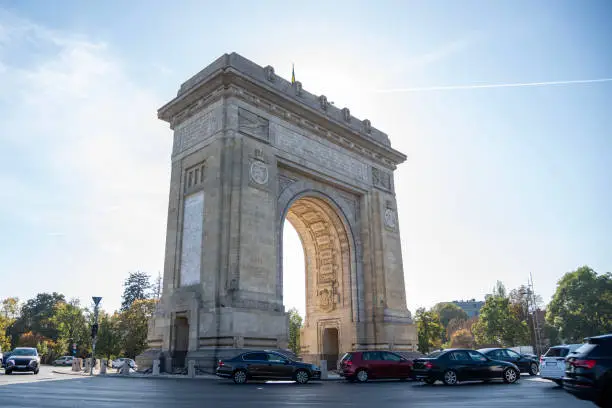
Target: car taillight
x=584 y=363
x=428 y=364
x=348 y=363
x=221 y=363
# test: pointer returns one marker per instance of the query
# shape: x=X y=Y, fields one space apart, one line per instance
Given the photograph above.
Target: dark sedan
x=525 y=363
x=454 y=365
x=266 y=365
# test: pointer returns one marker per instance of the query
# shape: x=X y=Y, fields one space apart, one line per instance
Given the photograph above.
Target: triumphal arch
x=252 y=150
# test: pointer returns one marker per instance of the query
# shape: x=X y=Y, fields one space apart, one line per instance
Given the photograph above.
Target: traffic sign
x=96 y=300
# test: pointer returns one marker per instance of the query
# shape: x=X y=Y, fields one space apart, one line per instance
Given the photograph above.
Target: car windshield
x=24 y=352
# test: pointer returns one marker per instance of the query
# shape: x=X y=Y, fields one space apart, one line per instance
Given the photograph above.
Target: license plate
x=551 y=363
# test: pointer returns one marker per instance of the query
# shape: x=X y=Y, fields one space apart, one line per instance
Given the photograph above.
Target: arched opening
x=325 y=280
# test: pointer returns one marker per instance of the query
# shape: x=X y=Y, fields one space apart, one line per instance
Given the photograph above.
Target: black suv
x=266 y=365
x=588 y=371
x=23 y=359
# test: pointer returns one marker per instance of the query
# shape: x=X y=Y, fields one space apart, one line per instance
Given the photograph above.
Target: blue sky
x=499 y=182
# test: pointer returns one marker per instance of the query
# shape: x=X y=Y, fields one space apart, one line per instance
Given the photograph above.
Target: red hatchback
x=362 y=366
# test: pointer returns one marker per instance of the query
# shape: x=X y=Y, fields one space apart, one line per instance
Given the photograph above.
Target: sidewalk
x=113 y=374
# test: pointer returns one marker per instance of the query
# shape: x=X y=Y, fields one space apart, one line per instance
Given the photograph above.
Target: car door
x=463 y=365
x=257 y=364
x=374 y=363
x=403 y=366
x=515 y=358
x=481 y=367
x=279 y=367
x=391 y=366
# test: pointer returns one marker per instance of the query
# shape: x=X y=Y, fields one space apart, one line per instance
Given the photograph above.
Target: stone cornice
x=237 y=76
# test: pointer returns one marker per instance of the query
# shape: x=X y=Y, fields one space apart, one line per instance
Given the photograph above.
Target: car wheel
x=240 y=377
x=430 y=381
x=511 y=376
x=362 y=376
x=36 y=372
x=450 y=377
x=8 y=372
x=533 y=369
x=302 y=377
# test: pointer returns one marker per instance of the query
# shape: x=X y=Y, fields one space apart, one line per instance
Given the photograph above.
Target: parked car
x=266 y=365
x=64 y=361
x=118 y=363
x=588 y=371
x=1 y=357
x=526 y=364
x=552 y=363
x=5 y=358
x=362 y=366
x=454 y=365
x=23 y=359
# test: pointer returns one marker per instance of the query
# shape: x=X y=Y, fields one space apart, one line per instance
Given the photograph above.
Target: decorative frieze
x=381 y=179
x=253 y=125
x=194 y=130
x=313 y=151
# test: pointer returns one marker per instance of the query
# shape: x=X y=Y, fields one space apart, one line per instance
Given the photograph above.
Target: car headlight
x=33 y=362
x=11 y=362
x=315 y=368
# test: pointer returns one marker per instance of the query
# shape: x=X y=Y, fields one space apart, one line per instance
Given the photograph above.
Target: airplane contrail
x=507 y=85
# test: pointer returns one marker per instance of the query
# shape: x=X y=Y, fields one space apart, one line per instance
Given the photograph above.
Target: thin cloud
x=483 y=86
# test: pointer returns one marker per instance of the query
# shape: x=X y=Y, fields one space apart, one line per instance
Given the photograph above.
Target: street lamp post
x=94 y=332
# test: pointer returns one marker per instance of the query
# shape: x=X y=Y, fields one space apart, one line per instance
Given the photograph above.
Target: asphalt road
x=57 y=390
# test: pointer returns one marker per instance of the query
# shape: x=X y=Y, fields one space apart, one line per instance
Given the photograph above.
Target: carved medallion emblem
x=390 y=220
x=259 y=172
x=326 y=302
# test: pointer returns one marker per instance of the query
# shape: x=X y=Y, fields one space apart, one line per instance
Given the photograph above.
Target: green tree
x=36 y=315
x=295 y=325
x=447 y=312
x=137 y=286
x=10 y=308
x=497 y=324
x=9 y=312
x=109 y=340
x=71 y=325
x=582 y=304
x=429 y=330
x=134 y=326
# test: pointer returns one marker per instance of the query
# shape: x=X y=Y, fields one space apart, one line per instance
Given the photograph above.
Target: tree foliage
x=462 y=338
x=582 y=304
x=134 y=326
x=497 y=324
x=295 y=326
x=448 y=311
x=429 y=330
x=36 y=315
x=137 y=286
x=109 y=340
x=71 y=324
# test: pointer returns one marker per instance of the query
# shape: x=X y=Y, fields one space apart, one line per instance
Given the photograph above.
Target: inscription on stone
x=191 y=247
x=381 y=179
x=311 y=149
x=194 y=130
x=253 y=125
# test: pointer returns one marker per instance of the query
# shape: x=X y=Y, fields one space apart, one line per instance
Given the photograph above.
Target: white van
x=552 y=364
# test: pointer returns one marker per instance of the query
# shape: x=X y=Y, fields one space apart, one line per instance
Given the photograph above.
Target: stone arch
x=343 y=218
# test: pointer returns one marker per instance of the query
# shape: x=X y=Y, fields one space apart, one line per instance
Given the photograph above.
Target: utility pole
x=534 y=317
x=94 y=332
